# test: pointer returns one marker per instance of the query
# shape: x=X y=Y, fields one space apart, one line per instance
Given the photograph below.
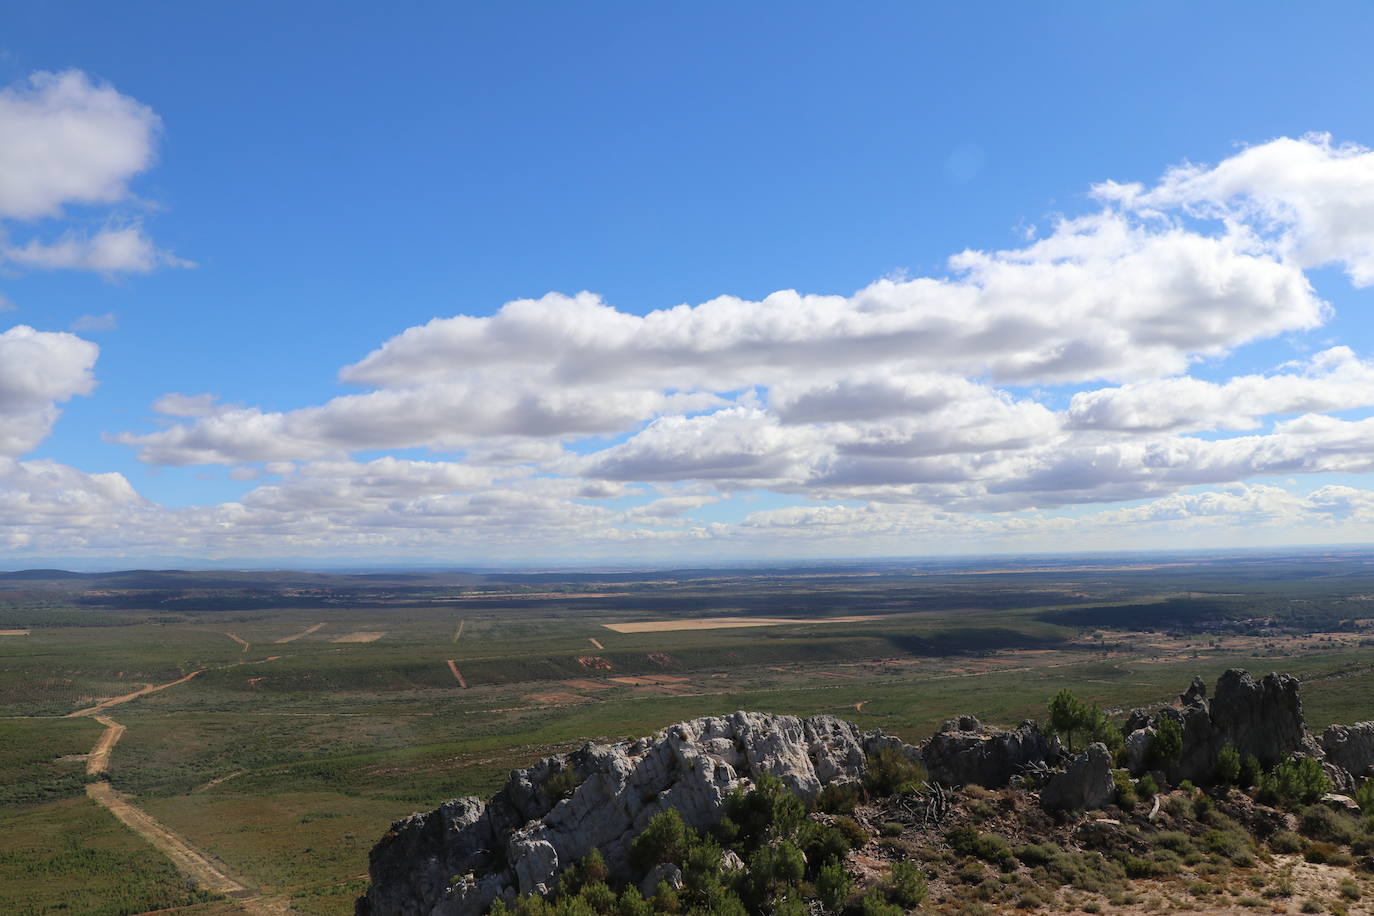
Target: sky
x=538 y=283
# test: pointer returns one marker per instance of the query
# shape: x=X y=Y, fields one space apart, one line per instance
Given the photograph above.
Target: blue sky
x=319 y=178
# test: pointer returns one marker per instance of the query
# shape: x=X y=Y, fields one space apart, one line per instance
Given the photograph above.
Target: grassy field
x=296 y=745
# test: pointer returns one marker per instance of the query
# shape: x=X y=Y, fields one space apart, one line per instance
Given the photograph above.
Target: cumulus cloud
x=109 y=251
x=1333 y=380
x=65 y=139
x=38 y=371
x=908 y=413
x=1314 y=198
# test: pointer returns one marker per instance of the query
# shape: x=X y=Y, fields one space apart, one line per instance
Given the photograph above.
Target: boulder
x=457 y=859
x=964 y=751
x=1084 y=785
x=1350 y=747
x=659 y=874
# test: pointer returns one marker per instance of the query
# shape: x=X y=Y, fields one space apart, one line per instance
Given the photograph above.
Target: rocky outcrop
x=1350 y=747
x=1261 y=718
x=965 y=751
x=455 y=860
x=1085 y=784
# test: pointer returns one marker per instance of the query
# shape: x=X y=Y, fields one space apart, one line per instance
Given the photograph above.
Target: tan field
x=725 y=623
x=360 y=636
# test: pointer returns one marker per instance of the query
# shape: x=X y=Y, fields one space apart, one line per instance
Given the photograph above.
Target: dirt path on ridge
x=453 y=666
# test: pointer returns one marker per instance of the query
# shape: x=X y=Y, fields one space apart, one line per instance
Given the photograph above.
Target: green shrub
x=838 y=798
x=906 y=886
x=1364 y=796
x=890 y=772
x=562 y=784
x=834 y=886
x=1250 y=771
x=1321 y=823
x=769 y=812
x=822 y=843
x=1165 y=744
x=665 y=839
x=632 y=903
x=1285 y=842
x=1300 y=781
x=1126 y=796
x=1146 y=786
x=874 y=903
x=1228 y=766
x=1173 y=840
x=986 y=846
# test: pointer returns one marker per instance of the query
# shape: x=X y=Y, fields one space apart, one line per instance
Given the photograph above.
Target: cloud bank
x=1037 y=397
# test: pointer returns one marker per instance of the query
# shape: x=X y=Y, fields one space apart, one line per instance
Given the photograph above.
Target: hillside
x=1216 y=804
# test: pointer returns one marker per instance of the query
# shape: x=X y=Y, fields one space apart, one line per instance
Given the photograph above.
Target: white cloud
x=109 y=251
x=901 y=418
x=1333 y=380
x=1313 y=197
x=67 y=140
x=95 y=323
x=38 y=371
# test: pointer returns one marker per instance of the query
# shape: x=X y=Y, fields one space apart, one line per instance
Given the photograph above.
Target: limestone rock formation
x=1263 y=718
x=455 y=860
x=965 y=751
x=1085 y=784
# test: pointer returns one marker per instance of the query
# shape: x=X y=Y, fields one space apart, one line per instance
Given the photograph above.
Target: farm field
x=276 y=724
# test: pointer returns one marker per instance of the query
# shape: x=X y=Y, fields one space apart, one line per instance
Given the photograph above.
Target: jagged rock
x=1085 y=784
x=1350 y=747
x=988 y=757
x=730 y=861
x=691 y=766
x=1263 y=718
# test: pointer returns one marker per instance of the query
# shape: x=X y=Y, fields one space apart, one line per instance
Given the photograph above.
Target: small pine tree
x=1228 y=766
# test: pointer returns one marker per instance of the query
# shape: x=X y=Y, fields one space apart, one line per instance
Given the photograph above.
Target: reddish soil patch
x=253 y=681
x=595 y=662
x=588 y=685
x=662 y=659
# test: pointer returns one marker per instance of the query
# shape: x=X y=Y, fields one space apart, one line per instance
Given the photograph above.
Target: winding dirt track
x=453 y=666
x=98 y=760
x=188 y=860
x=142 y=692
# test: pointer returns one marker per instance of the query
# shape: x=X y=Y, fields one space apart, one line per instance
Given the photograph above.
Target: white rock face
x=691 y=766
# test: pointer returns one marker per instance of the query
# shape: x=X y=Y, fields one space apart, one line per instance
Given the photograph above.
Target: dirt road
x=142 y=692
x=453 y=666
x=98 y=760
x=306 y=632
x=458 y=633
